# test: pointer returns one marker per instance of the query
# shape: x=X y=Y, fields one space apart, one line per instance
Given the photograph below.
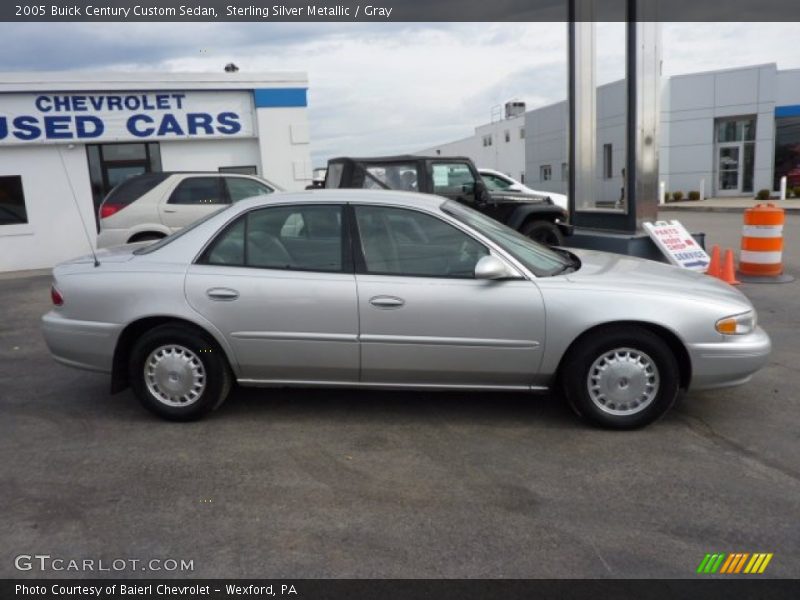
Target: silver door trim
x=385 y=385
x=293 y=336
x=423 y=340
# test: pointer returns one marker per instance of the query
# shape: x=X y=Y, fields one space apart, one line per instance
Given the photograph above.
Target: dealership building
x=723 y=133
x=66 y=139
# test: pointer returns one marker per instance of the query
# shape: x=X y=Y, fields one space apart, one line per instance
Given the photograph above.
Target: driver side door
x=426 y=320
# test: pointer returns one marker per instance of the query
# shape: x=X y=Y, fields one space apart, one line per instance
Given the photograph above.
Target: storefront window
x=12 y=201
x=787 y=151
x=111 y=164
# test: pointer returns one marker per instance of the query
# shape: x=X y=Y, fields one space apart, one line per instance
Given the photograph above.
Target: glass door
x=729 y=167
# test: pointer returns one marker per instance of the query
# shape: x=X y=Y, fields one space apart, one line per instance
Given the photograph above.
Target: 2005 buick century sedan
x=377 y=289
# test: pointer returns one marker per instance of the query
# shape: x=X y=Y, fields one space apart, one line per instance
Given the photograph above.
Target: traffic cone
x=728 y=272
x=714 y=267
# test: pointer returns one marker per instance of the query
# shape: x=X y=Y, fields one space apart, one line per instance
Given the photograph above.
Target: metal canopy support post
x=643 y=92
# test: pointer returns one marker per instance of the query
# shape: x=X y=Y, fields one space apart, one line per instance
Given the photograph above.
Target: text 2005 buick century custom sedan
x=394 y=290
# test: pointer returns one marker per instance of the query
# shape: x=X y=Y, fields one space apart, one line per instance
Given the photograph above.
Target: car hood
x=604 y=270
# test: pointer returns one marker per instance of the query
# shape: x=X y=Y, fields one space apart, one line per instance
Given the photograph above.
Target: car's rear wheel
x=145 y=237
x=178 y=373
x=621 y=378
x=544 y=232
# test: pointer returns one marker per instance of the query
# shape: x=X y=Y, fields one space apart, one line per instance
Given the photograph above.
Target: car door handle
x=387 y=302
x=222 y=294
x=170 y=210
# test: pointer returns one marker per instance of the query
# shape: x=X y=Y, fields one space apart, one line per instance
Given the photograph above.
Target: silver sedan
x=356 y=288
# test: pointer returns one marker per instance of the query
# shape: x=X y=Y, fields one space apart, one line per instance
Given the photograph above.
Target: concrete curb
x=716 y=209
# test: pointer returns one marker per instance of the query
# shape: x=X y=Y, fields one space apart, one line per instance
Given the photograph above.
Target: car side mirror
x=482 y=195
x=491 y=267
x=514 y=188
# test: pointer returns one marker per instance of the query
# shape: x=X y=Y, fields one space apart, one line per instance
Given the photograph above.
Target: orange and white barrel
x=762 y=241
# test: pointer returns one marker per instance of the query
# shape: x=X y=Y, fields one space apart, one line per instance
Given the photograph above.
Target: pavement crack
x=703 y=429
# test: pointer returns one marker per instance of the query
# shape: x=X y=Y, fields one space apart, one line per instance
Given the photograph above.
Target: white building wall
x=690 y=106
x=54 y=231
x=546 y=144
x=284 y=144
x=198 y=155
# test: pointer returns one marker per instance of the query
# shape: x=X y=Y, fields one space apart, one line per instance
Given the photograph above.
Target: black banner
x=385 y=10
x=402 y=589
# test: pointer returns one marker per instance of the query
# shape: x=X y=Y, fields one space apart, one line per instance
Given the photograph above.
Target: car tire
x=621 y=378
x=544 y=232
x=179 y=373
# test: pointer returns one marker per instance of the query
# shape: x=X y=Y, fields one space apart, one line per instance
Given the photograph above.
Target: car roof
x=388 y=197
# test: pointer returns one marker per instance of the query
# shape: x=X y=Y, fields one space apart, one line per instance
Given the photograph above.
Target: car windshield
x=542 y=261
x=174 y=236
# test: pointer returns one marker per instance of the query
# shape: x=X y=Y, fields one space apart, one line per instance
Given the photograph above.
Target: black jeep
x=456 y=178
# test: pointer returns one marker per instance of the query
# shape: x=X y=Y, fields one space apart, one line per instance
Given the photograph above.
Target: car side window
x=495 y=183
x=396 y=241
x=454 y=179
x=198 y=190
x=299 y=237
x=240 y=188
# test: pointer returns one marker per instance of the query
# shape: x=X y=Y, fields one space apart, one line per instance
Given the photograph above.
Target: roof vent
x=514 y=108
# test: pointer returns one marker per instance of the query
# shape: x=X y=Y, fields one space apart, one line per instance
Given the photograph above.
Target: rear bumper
x=81 y=344
x=730 y=362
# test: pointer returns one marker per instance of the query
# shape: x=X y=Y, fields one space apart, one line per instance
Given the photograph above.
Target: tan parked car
x=153 y=205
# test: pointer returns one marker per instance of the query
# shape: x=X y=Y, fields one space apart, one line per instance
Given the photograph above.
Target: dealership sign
x=58 y=118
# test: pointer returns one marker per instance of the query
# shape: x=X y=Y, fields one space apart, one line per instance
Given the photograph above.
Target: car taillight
x=56 y=296
x=106 y=210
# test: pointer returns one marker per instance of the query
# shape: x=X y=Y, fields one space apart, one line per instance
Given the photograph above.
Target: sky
x=385 y=88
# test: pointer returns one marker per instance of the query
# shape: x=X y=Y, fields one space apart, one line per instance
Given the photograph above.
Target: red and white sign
x=678 y=245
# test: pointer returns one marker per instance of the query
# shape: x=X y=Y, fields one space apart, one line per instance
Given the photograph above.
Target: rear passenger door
x=278 y=283
x=193 y=198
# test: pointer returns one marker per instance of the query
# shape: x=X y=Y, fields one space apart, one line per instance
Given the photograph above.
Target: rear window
x=134 y=188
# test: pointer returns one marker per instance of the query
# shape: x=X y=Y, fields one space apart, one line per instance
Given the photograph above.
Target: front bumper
x=81 y=344
x=729 y=362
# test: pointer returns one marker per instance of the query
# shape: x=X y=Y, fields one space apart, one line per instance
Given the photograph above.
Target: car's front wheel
x=621 y=378
x=178 y=373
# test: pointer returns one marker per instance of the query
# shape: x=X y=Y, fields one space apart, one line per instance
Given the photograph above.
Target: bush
x=763 y=195
x=795 y=191
x=667 y=197
x=677 y=196
x=694 y=195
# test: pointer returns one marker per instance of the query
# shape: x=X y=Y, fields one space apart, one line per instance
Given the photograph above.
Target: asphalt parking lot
x=305 y=484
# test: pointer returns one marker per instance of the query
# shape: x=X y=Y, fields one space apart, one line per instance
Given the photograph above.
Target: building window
x=545 y=173
x=736 y=130
x=243 y=170
x=522 y=133
x=787 y=151
x=487 y=140
x=111 y=164
x=508 y=136
x=12 y=201
x=608 y=161
x=564 y=171
x=522 y=177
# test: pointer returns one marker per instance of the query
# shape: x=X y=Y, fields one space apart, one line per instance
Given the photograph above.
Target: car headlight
x=738 y=324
